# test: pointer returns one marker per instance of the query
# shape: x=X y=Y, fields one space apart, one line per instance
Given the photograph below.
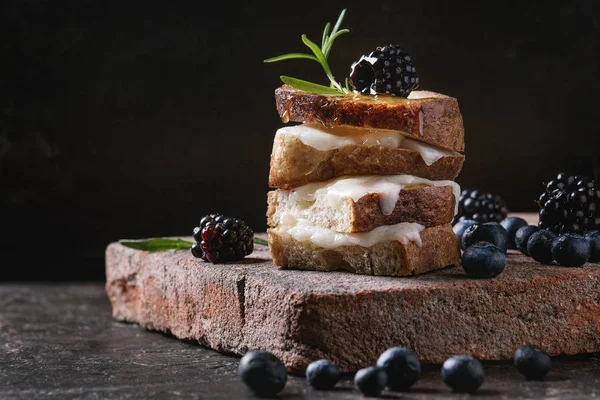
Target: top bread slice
x=426 y=116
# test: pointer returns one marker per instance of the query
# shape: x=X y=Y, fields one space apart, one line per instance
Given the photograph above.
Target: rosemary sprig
x=158 y=244
x=164 y=244
x=320 y=55
x=309 y=86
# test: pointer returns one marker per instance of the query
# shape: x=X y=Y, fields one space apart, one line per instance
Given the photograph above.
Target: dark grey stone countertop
x=59 y=341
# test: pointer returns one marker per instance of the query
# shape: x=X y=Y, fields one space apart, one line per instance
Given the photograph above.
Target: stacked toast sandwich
x=365 y=183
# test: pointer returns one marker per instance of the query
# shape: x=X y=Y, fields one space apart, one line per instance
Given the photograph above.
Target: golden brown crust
x=294 y=163
x=425 y=205
x=439 y=249
x=430 y=117
x=428 y=206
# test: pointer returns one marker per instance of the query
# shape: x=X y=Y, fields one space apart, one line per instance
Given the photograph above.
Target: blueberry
x=523 y=235
x=370 y=381
x=512 y=225
x=322 y=374
x=594 y=239
x=263 y=373
x=571 y=250
x=532 y=362
x=539 y=246
x=466 y=236
x=483 y=260
x=463 y=373
x=461 y=226
x=491 y=232
x=402 y=367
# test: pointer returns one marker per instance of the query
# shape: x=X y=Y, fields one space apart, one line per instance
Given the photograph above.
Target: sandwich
x=363 y=178
x=422 y=135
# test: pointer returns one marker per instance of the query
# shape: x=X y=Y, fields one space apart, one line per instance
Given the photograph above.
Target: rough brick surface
x=350 y=319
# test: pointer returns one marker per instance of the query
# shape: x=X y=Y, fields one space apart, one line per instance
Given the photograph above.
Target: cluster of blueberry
x=397 y=369
x=485 y=245
x=568 y=249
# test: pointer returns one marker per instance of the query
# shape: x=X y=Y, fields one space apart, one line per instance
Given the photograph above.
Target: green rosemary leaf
x=347 y=87
x=261 y=241
x=339 y=22
x=336 y=35
x=164 y=244
x=158 y=244
x=310 y=87
x=322 y=59
x=320 y=55
x=325 y=35
x=329 y=43
x=291 y=56
x=317 y=51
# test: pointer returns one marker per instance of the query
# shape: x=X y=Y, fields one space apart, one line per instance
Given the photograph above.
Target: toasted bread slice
x=426 y=116
x=294 y=163
x=425 y=205
x=392 y=258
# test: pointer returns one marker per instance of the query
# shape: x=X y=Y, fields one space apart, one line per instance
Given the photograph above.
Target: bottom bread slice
x=392 y=258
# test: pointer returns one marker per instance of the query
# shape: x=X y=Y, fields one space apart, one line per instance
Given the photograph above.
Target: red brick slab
x=350 y=319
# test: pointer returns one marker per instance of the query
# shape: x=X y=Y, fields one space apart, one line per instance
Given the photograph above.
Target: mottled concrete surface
x=61 y=342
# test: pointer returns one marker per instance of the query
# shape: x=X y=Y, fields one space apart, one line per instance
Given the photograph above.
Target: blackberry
x=570 y=204
x=387 y=70
x=221 y=239
x=480 y=206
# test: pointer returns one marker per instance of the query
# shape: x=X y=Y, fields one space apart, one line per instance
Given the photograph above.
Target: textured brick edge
x=350 y=319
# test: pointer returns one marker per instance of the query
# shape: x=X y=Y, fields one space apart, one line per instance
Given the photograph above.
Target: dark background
x=134 y=119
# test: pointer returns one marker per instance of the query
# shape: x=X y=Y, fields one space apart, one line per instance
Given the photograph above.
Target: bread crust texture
x=426 y=116
x=390 y=258
x=294 y=163
x=426 y=205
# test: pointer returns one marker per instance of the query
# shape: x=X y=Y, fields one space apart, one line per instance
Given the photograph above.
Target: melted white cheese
x=388 y=187
x=429 y=153
x=327 y=139
x=303 y=230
